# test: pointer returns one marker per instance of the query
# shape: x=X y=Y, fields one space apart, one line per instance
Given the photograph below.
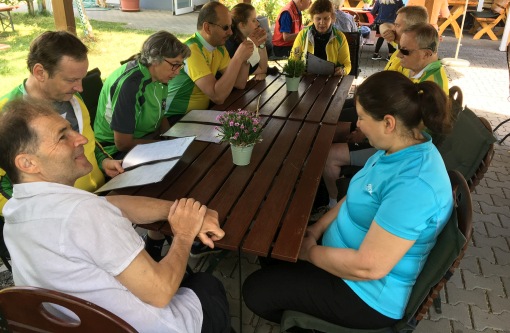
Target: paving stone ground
x=477 y=297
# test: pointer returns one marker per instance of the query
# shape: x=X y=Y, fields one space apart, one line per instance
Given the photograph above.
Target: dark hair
x=321 y=6
x=426 y=36
x=392 y=93
x=16 y=134
x=414 y=15
x=48 y=49
x=208 y=13
x=240 y=14
x=159 y=45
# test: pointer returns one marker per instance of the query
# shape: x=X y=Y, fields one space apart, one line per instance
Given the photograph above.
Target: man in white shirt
x=70 y=240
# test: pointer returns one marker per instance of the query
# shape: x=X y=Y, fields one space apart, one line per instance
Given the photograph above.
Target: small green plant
x=294 y=67
x=368 y=2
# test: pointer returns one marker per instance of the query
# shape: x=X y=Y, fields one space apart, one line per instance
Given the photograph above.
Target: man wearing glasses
x=132 y=102
x=196 y=85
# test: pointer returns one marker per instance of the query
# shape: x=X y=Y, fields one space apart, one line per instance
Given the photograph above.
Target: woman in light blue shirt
x=359 y=262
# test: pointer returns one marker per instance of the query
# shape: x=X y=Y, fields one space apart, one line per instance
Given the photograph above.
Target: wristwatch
x=261 y=46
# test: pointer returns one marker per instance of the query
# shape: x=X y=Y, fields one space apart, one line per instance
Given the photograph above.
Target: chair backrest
x=469 y=148
x=450 y=247
x=92 y=85
x=354 y=40
x=22 y=308
x=500 y=6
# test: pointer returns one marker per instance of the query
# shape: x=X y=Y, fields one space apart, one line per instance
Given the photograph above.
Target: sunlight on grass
x=113 y=43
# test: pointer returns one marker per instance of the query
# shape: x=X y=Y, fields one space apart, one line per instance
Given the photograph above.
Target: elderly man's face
x=415 y=58
x=218 y=34
x=60 y=155
x=66 y=79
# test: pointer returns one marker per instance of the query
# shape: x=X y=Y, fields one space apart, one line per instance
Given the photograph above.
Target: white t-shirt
x=73 y=241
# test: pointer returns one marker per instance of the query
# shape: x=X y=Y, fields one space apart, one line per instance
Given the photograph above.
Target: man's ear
x=206 y=27
x=26 y=163
x=39 y=73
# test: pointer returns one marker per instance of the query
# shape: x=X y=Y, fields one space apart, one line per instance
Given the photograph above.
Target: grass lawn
x=113 y=43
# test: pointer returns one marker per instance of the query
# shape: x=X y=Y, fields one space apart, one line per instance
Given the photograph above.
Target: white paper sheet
x=142 y=175
x=203 y=132
x=255 y=56
x=156 y=151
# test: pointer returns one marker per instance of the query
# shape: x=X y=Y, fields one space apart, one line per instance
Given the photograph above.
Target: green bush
x=268 y=8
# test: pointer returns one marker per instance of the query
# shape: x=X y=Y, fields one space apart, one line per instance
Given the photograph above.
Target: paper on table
x=255 y=56
x=316 y=65
x=202 y=116
x=156 y=151
x=145 y=174
x=203 y=132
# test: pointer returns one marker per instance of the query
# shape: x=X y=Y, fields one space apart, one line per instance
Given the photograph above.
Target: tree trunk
x=30 y=5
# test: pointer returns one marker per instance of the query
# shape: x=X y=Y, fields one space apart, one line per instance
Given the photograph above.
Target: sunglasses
x=174 y=66
x=225 y=27
x=406 y=52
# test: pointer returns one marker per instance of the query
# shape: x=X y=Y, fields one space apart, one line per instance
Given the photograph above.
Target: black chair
x=355 y=41
x=25 y=309
x=92 y=85
x=450 y=247
x=507 y=120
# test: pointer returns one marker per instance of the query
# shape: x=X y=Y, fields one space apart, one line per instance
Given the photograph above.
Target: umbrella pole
x=455 y=61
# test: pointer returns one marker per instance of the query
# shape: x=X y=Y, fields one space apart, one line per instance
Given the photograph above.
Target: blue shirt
x=408 y=194
x=286 y=22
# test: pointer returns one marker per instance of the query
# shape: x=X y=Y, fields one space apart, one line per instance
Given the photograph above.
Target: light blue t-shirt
x=408 y=194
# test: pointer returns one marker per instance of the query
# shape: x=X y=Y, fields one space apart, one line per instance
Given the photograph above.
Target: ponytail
x=434 y=107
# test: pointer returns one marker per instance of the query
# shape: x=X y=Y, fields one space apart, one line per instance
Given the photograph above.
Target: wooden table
x=263 y=207
x=365 y=16
x=456 y=11
x=7 y=17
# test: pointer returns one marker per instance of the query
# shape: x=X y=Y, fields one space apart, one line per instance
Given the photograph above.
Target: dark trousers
x=212 y=296
x=306 y=288
x=282 y=51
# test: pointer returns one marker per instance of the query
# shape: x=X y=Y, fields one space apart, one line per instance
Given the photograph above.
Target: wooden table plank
x=293 y=98
x=335 y=107
x=294 y=224
x=320 y=106
x=272 y=210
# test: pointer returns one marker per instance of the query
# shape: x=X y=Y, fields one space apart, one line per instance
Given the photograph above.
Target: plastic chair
x=22 y=310
x=92 y=85
x=354 y=40
x=487 y=20
x=450 y=247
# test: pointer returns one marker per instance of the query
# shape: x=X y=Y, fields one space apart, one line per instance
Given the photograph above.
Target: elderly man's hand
x=244 y=51
x=112 y=167
x=186 y=218
x=211 y=230
x=388 y=32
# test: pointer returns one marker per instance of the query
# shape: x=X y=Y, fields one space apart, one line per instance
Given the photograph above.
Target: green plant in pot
x=293 y=70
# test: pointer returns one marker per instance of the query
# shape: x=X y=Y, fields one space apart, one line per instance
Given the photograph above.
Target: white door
x=182 y=7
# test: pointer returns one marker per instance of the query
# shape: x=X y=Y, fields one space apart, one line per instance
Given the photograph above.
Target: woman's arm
x=379 y=252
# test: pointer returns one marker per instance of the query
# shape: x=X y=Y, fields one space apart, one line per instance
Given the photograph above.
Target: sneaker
x=317 y=214
x=376 y=56
x=199 y=250
x=388 y=57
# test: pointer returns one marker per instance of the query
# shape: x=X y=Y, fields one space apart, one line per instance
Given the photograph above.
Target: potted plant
x=293 y=70
x=242 y=129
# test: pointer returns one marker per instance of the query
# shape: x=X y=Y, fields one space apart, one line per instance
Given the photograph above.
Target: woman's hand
x=308 y=243
x=258 y=36
x=339 y=71
x=259 y=77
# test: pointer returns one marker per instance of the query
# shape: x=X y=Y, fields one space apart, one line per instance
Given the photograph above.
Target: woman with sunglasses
x=245 y=25
x=322 y=39
x=359 y=262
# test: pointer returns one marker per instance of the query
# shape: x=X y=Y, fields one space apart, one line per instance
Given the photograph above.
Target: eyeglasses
x=174 y=66
x=406 y=52
x=225 y=27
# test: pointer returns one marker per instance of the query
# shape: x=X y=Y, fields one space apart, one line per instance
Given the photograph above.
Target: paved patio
x=477 y=298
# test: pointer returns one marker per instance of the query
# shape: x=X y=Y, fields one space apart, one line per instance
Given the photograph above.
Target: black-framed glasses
x=407 y=52
x=174 y=66
x=223 y=27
